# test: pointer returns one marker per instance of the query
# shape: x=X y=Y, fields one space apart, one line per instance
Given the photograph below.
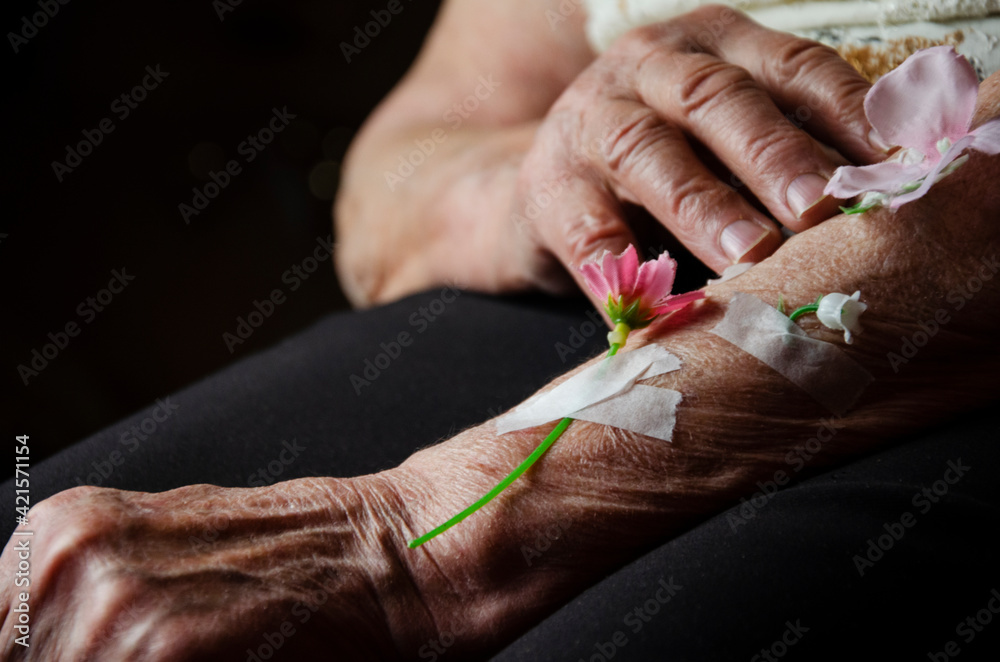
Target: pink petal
x=932 y=95
x=953 y=153
x=628 y=269
x=987 y=138
x=677 y=301
x=656 y=278
x=596 y=281
x=621 y=271
x=888 y=177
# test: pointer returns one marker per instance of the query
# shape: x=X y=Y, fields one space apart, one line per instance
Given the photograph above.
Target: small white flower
x=841 y=312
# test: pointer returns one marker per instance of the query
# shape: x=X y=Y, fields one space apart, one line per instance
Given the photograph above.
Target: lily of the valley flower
x=636 y=294
x=841 y=312
x=924 y=106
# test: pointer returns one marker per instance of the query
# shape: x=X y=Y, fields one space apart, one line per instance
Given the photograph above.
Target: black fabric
x=739 y=584
x=308 y=407
x=468 y=358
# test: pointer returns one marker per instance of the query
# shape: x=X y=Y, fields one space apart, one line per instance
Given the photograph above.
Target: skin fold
x=116 y=576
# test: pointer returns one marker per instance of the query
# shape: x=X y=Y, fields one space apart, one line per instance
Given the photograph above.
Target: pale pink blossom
x=636 y=293
x=925 y=106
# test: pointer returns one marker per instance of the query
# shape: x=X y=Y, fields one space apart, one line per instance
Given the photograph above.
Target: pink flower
x=924 y=106
x=636 y=294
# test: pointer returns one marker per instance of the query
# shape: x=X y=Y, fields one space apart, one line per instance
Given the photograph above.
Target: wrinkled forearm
x=611 y=494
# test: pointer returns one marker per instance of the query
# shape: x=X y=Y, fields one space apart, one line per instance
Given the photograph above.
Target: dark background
x=60 y=241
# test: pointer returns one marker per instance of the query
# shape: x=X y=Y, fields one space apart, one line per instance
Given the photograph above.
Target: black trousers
x=893 y=556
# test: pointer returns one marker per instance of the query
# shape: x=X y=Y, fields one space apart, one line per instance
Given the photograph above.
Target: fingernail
x=875 y=140
x=740 y=237
x=804 y=192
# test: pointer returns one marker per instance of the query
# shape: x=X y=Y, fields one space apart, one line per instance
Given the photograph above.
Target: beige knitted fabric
x=874 y=35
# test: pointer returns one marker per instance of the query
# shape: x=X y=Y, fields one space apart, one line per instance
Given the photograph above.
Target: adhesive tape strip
x=607 y=393
x=820 y=369
x=644 y=409
x=731 y=272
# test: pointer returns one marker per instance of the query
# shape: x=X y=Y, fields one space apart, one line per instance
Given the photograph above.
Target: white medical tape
x=731 y=272
x=607 y=393
x=819 y=368
x=644 y=409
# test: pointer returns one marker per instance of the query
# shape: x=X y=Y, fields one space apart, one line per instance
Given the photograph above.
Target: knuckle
x=691 y=200
x=639 y=41
x=848 y=101
x=629 y=142
x=583 y=237
x=60 y=502
x=80 y=517
x=78 y=534
x=800 y=59
x=774 y=149
x=710 y=82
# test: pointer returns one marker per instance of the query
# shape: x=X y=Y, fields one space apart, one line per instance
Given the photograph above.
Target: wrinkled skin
x=204 y=573
x=721 y=129
x=116 y=575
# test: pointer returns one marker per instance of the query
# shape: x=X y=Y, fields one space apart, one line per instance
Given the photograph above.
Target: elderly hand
x=652 y=120
x=203 y=573
x=722 y=129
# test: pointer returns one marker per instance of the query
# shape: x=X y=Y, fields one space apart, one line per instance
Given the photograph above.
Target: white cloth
x=835 y=22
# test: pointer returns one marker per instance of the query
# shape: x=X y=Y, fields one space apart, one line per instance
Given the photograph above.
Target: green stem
x=799 y=312
x=511 y=477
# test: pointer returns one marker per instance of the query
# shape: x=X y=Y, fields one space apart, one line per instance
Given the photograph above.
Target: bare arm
x=121 y=568
x=466 y=184
x=739 y=422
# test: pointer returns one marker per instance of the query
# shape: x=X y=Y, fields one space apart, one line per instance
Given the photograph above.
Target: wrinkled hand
x=694 y=119
x=200 y=572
